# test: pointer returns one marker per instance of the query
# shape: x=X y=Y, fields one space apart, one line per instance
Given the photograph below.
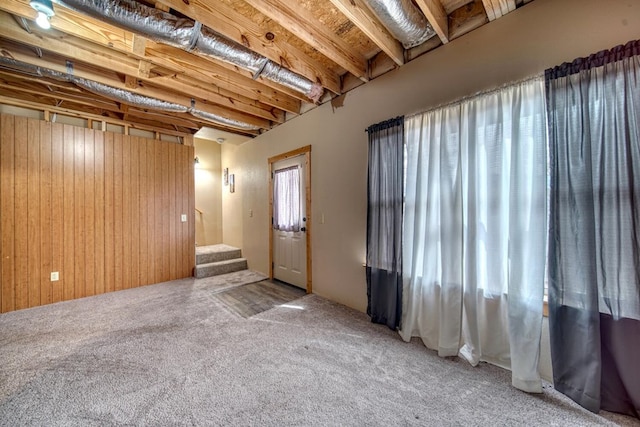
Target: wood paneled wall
x=100 y=208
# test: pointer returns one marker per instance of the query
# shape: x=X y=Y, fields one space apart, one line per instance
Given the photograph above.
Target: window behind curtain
x=384 y=221
x=474 y=229
x=286 y=199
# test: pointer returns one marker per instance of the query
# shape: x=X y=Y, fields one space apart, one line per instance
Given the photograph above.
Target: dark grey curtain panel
x=594 y=228
x=384 y=222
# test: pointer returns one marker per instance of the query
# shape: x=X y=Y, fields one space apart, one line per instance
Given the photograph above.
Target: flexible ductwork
x=191 y=36
x=121 y=95
x=403 y=20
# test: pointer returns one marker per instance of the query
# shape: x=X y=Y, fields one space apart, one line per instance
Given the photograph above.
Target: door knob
x=303 y=229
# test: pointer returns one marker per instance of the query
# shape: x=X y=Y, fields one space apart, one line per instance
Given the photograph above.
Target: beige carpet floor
x=172 y=354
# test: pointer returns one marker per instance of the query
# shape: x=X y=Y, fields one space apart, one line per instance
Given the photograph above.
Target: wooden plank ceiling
x=338 y=44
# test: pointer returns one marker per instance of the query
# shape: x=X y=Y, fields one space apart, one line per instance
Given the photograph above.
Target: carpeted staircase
x=214 y=260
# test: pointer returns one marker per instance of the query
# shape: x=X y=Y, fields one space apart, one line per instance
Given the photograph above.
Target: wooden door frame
x=306 y=151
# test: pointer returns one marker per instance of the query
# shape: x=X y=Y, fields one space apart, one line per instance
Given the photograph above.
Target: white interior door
x=289 y=222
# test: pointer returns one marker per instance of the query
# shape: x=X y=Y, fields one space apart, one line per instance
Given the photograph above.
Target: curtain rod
x=480 y=93
x=385 y=122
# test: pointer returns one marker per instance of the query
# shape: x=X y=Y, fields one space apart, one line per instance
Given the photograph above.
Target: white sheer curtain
x=286 y=199
x=475 y=227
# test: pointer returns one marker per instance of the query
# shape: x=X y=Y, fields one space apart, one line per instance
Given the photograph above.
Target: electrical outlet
x=55 y=276
x=183 y=217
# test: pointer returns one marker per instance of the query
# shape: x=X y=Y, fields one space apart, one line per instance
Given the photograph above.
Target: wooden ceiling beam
x=139 y=119
x=240 y=29
x=39 y=106
x=209 y=71
x=114 y=81
x=497 y=8
x=437 y=17
x=138 y=45
x=80 y=50
x=363 y=18
x=73 y=23
x=305 y=26
x=466 y=19
x=59 y=96
x=109 y=37
x=144 y=69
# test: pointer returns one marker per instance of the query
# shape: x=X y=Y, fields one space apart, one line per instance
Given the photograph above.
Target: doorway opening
x=290 y=228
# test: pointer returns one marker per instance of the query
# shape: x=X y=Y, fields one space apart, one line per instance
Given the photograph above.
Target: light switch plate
x=55 y=276
x=183 y=217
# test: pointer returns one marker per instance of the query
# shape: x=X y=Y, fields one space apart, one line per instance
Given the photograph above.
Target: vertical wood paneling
x=79 y=209
x=21 y=207
x=178 y=203
x=166 y=220
x=46 y=210
x=1 y=257
x=143 y=267
x=57 y=209
x=68 y=217
x=185 y=209
x=151 y=209
x=7 y=213
x=190 y=191
x=157 y=232
x=33 y=212
x=174 y=216
x=102 y=209
x=1 y=154
x=118 y=194
x=135 y=212
x=89 y=213
x=109 y=214
x=126 y=212
x=99 y=218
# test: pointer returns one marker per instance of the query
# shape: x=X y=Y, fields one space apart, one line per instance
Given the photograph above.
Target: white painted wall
x=540 y=35
x=208 y=192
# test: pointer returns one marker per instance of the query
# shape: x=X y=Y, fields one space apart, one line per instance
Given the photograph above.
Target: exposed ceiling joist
x=114 y=81
x=80 y=50
x=86 y=28
x=498 y=8
x=305 y=26
x=195 y=66
x=293 y=49
x=358 y=13
x=259 y=38
x=437 y=17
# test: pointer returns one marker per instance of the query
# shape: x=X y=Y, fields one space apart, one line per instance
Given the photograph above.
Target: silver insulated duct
x=403 y=20
x=121 y=95
x=191 y=36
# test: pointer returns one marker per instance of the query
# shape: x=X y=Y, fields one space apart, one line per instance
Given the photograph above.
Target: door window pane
x=286 y=199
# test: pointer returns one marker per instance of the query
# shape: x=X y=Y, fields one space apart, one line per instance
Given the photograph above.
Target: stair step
x=220 y=267
x=216 y=253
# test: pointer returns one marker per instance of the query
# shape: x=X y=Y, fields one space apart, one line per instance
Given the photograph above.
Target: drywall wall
x=232 y=203
x=208 y=192
x=539 y=35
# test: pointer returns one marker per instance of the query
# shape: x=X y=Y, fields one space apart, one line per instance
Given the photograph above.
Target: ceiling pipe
x=403 y=20
x=191 y=36
x=122 y=95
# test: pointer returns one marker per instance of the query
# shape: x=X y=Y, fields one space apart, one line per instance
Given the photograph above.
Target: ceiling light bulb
x=45 y=12
x=43 y=21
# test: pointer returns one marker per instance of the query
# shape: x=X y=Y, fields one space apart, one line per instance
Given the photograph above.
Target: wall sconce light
x=45 y=12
